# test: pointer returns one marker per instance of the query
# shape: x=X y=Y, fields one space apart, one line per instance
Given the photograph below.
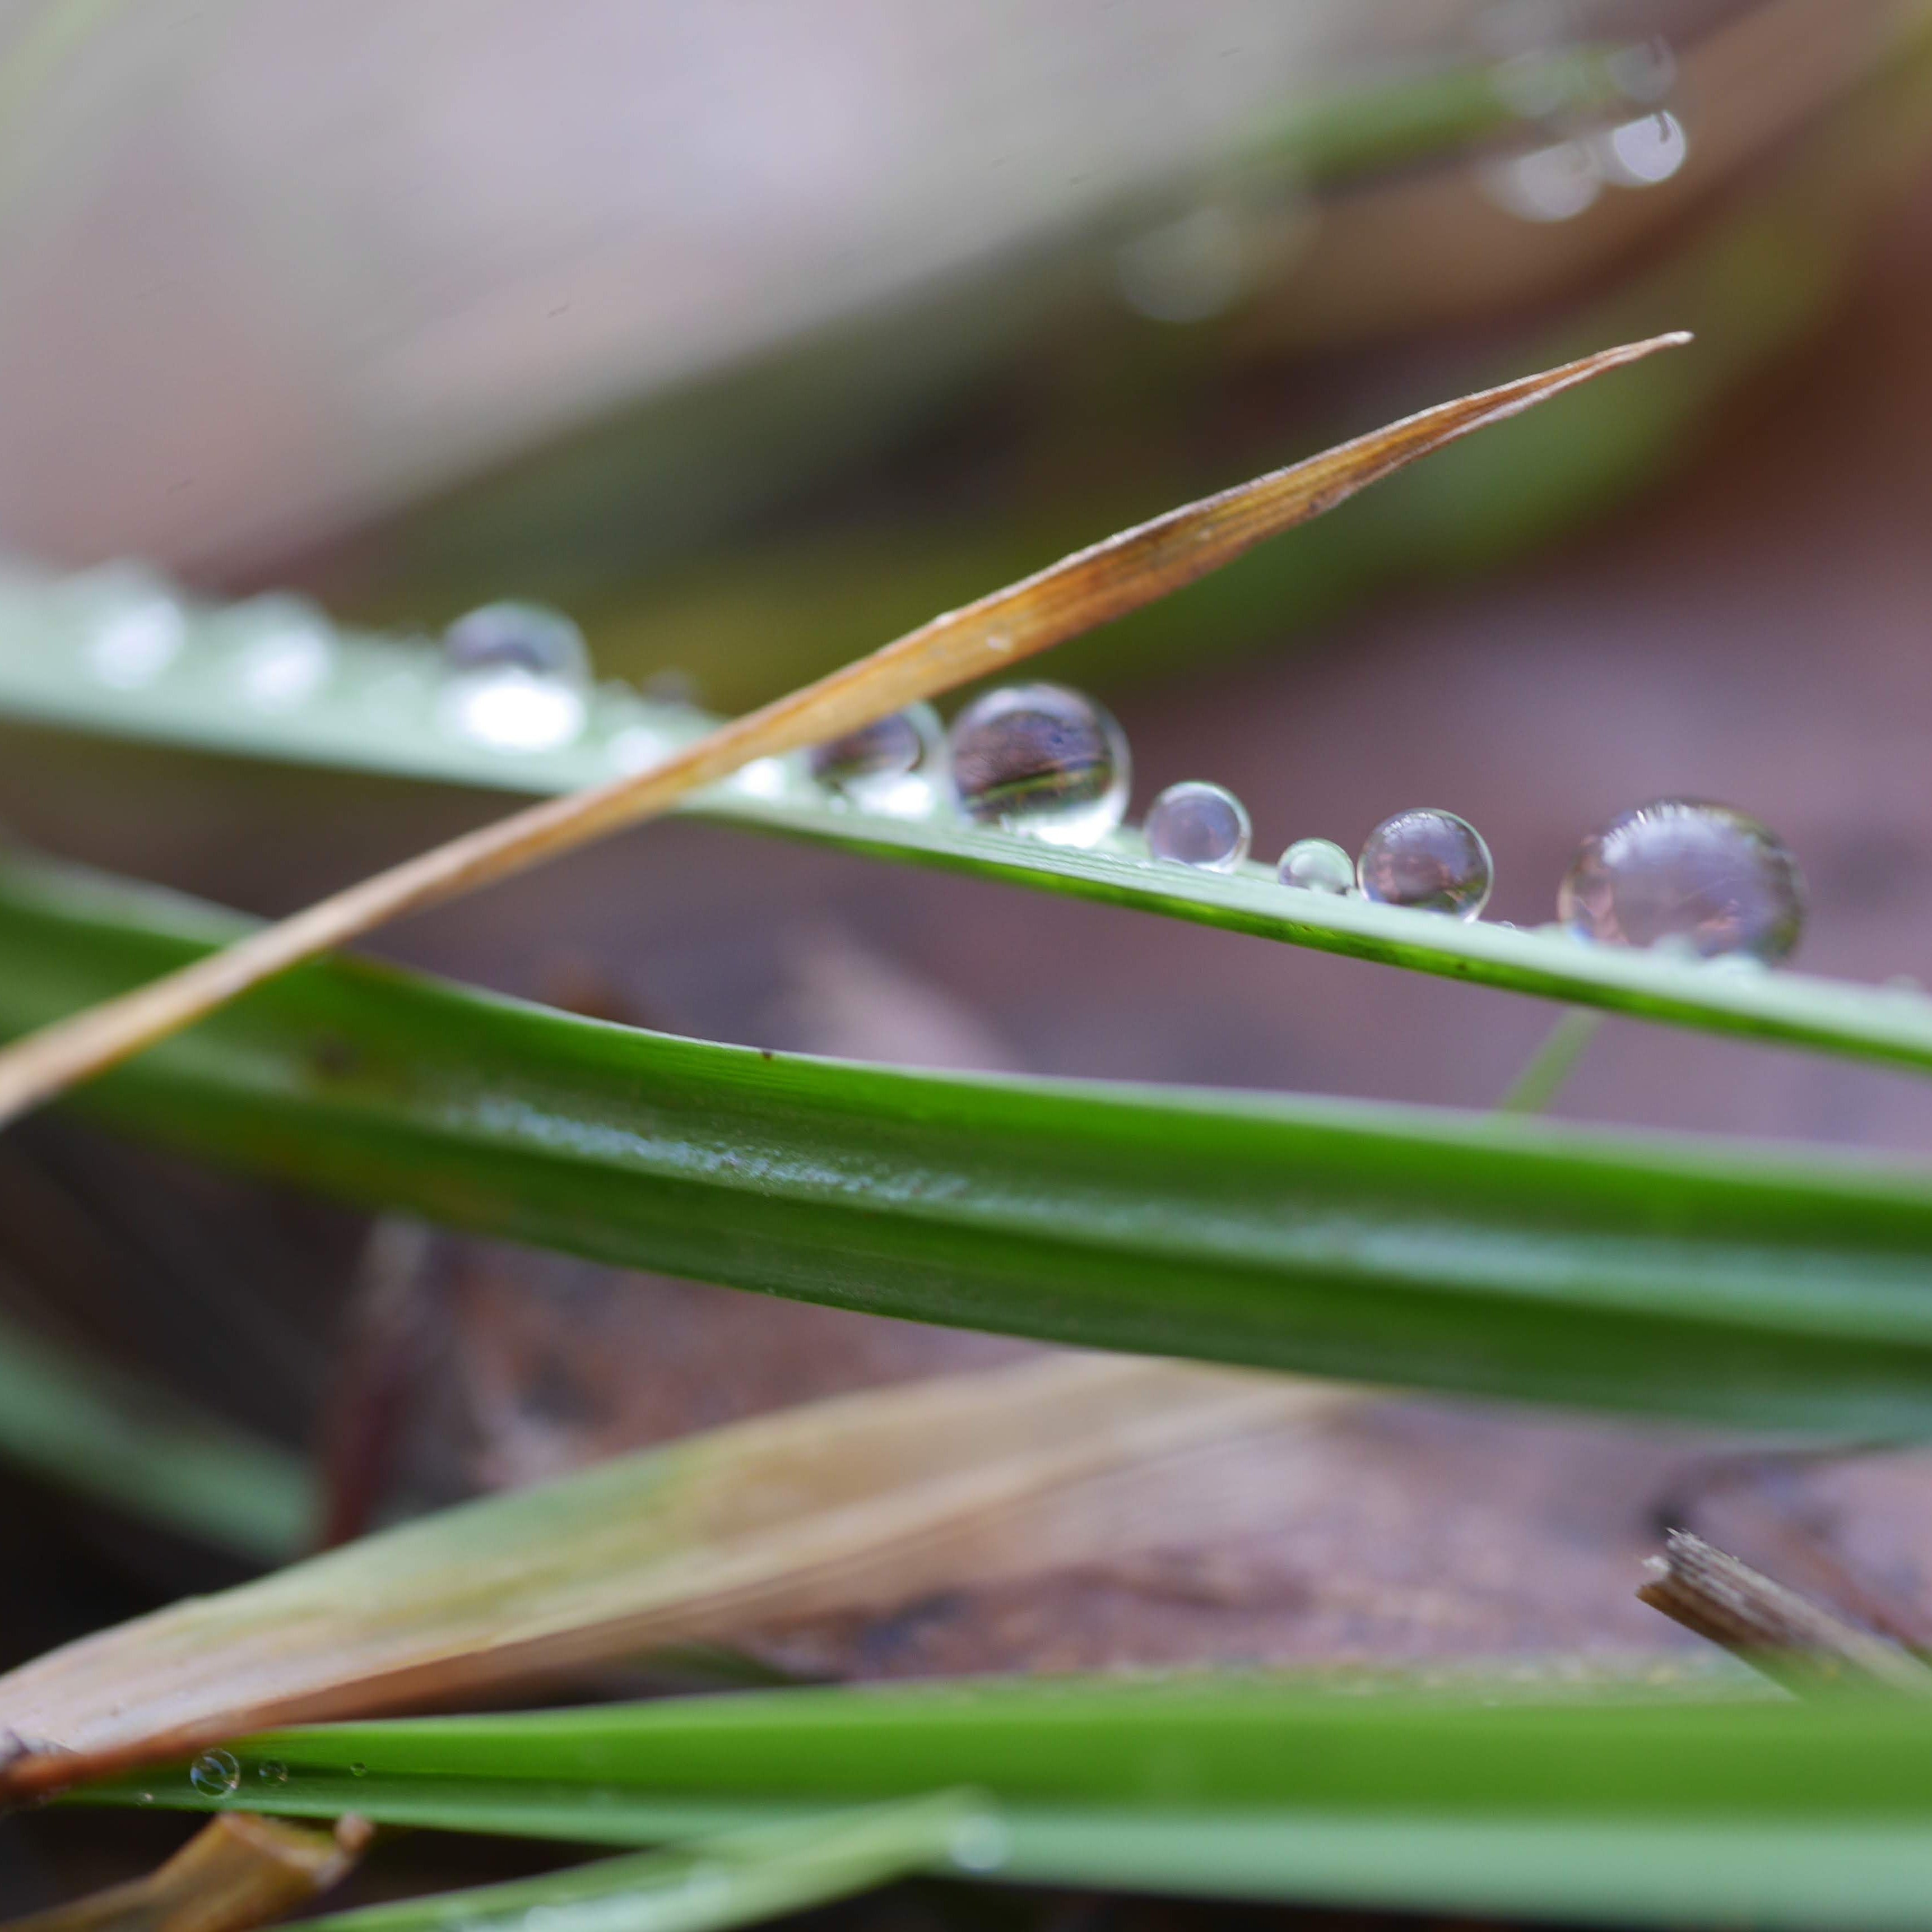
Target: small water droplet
x=1041 y=760
x=638 y=747
x=1428 y=859
x=1683 y=870
x=1186 y=270
x=870 y=767
x=1196 y=823
x=1642 y=153
x=1317 y=865
x=1553 y=184
x=358 y=1769
x=144 y=1798
x=272 y=1770
x=981 y=1843
x=764 y=778
x=133 y=647
x=215 y=1774
x=288 y=655
x=1644 y=72
x=519 y=676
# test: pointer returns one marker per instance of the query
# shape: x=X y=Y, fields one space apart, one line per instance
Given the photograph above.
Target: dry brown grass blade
x=862 y=1502
x=1081 y=592
x=238 y=1872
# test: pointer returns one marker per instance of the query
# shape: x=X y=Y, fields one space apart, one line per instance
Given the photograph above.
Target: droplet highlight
x=519 y=675
x=215 y=1774
x=1197 y=824
x=1042 y=760
x=1317 y=865
x=1430 y=859
x=1684 y=872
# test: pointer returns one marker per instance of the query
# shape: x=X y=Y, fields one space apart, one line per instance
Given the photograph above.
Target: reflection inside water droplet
x=215 y=1774
x=886 y=765
x=1041 y=760
x=1317 y=865
x=1196 y=823
x=1685 y=873
x=1427 y=859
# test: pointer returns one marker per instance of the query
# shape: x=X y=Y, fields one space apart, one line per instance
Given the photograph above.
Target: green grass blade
x=735 y=1879
x=1384 y=1244
x=377 y=711
x=107 y=1436
x=1612 y=1807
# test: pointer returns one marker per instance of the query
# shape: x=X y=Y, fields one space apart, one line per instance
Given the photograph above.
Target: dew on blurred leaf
x=272 y=1770
x=133 y=647
x=1644 y=72
x=215 y=1774
x=1186 y=270
x=1197 y=824
x=1317 y=865
x=638 y=748
x=519 y=674
x=1683 y=874
x=980 y=1844
x=1041 y=760
x=1553 y=184
x=1427 y=859
x=1642 y=153
x=287 y=661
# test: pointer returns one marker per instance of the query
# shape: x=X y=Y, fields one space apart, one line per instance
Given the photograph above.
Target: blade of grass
x=104 y=1434
x=733 y=1879
x=1552 y=1064
x=1607 y=1806
x=238 y=1872
x=1521 y=1259
x=867 y=1500
x=361 y=722
x=1081 y=592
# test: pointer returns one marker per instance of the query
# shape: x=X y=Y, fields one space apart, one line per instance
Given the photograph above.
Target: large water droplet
x=1428 y=859
x=885 y=766
x=519 y=677
x=1317 y=865
x=1642 y=153
x=1040 y=759
x=215 y=1774
x=1196 y=823
x=1680 y=869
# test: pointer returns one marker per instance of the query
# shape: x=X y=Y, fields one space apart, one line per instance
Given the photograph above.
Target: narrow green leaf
x=376 y=710
x=108 y=1435
x=1611 y=1808
x=1384 y=1244
x=734 y=1879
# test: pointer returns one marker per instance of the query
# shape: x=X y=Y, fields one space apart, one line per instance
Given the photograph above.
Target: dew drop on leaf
x=1682 y=873
x=1196 y=823
x=272 y=1770
x=1427 y=859
x=880 y=766
x=518 y=677
x=1041 y=760
x=215 y=1774
x=1317 y=865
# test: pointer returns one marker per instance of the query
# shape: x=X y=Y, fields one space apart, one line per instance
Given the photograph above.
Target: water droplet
x=1644 y=72
x=1428 y=859
x=1708 y=878
x=1186 y=270
x=1042 y=760
x=133 y=647
x=638 y=747
x=981 y=1843
x=1551 y=184
x=288 y=656
x=1317 y=865
x=215 y=1774
x=520 y=674
x=763 y=778
x=144 y=1798
x=870 y=767
x=518 y=636
x=358 y=1769
x=272 y=1770
x=1196 y=823
x=1642 y=153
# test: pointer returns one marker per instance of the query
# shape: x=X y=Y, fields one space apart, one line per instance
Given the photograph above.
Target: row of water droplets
x=1035 y=759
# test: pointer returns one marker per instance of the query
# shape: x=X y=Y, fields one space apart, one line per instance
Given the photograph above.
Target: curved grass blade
x=1507 y=1257
x=101 y=1433
x=1081 y=592
x=734 y=1879
x=867 y=1501
x=378 y=715
x=1599 y=1807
